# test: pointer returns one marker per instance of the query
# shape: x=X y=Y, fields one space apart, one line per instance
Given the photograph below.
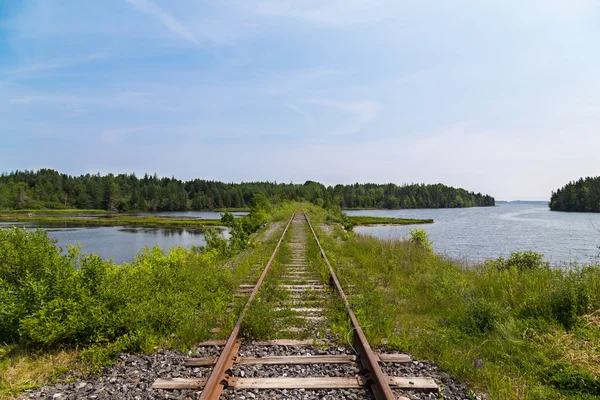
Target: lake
x=164 y=214
x=482 y=233
x=189 y=214
x=119 y=242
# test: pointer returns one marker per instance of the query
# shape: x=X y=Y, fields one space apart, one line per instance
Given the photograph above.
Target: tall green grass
x=49 y=300
x=515 y=328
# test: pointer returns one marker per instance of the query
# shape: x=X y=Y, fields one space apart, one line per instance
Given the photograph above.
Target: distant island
x=49 y=189
x=522 y=202
x=577 y=196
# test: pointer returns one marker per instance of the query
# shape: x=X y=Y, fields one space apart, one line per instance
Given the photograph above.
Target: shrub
x=32 y=273
x=523 y=261
x=48 y=299
x=419 y=237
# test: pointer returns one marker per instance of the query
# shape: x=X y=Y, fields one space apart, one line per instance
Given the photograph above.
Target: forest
x=49 y=189
x=580 y=196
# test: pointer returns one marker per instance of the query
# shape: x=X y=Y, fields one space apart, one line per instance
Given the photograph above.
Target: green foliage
x=350 y=222
x=240 y=229
x=479 y=316
x=581 y=196
x=258 y=324
x=523 y=261
x=419 y=238
x=573 y=380
x=512 y=327
x=48 y=189
x=49 y=299
x=32 y=272
x=111 y=220
x=391 y=196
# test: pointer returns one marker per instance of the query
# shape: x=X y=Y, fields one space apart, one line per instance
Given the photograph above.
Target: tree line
x=49 y=189
x=581 y=196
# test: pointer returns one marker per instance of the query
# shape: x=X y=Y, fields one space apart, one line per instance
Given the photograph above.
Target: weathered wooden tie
x=351 y=382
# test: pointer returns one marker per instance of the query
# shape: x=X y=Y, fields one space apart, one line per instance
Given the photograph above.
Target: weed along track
x=282 y=345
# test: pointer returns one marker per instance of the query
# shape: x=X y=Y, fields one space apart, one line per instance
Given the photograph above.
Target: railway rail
x=291 y=365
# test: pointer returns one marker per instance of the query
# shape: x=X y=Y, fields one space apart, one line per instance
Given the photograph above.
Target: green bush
x=419 y=237
x=49 y=299
x=522 y=261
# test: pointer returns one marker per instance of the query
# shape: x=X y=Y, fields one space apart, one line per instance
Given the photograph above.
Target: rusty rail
x=218 y=379
x=374 y=376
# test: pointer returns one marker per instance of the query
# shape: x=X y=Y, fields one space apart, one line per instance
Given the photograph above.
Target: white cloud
x=118 y=135
x=287 y=82
x=65 y=62
x=306 y=115
x=336 y=13
x=355 y=115
x=166 y=19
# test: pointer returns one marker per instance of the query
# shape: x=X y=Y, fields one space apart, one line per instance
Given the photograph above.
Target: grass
x=364 y=220
x=85 y=310
x=262 y=323
x=150 y=221
x=513 y=328
x=56 y=211
x=78 y=211
x=22 y=370
x=232 y=209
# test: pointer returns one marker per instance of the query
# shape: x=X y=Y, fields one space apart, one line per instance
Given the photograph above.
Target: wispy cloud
x=290 y=81
x=357 y=114
x=166 y=19
x=41 y=99
x=337 y=13
x=118 y=135
x=75 y=105
x=63 y=62
x=306 y=115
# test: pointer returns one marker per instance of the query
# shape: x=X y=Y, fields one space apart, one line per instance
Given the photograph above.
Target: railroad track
x=301 y=361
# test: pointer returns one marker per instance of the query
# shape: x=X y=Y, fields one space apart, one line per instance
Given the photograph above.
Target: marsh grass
x=351 y=221
x=518 y=329
x=115 y=221
x=73 y=211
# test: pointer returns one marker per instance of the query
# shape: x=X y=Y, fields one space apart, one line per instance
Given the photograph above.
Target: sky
x=495 y=96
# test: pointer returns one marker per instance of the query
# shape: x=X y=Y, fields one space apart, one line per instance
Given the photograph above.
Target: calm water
x=487 y=232
x=118 y=242
x=167 y=214
x=191 y=214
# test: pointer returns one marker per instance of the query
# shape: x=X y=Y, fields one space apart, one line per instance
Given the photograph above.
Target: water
x=482 y=233
x=165 y=214
x=118 y=242
x=189 y=214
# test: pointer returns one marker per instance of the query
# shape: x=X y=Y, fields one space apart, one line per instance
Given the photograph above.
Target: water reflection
x=120 y=243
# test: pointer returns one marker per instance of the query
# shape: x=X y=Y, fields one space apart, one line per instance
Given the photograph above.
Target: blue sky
x=501 y=97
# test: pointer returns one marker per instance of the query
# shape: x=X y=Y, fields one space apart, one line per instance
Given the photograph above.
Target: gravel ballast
x=131 y=377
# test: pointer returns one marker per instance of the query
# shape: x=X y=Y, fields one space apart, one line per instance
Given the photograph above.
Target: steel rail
x=374 y=376
x=218 y=380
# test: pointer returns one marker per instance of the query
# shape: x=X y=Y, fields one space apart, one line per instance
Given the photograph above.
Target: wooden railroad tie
x=353 y=382
x=293 y=360
x=276 y=342
x=275 y=360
